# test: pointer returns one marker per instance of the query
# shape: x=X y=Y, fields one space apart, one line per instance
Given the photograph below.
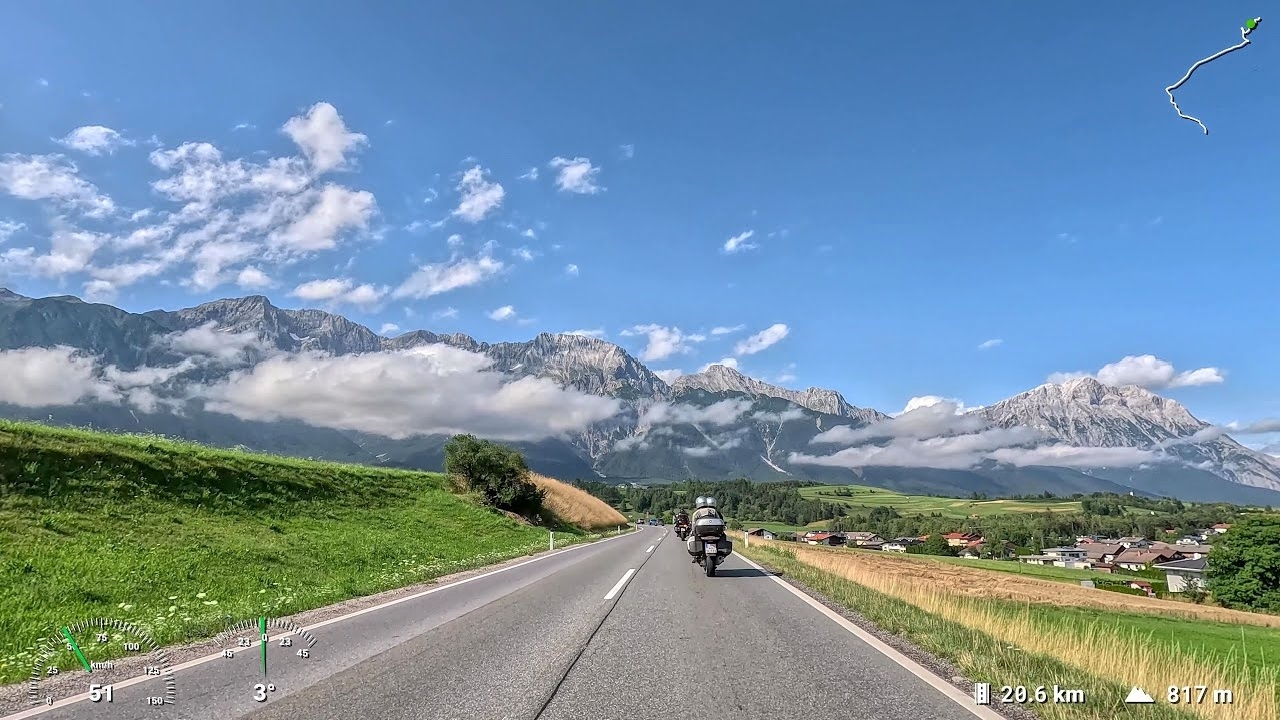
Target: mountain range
x=203 y=373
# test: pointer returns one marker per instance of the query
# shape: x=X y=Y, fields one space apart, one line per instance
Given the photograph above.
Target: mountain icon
x=1138 y=695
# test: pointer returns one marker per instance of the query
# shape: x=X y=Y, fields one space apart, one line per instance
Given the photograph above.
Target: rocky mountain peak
x=720 y=378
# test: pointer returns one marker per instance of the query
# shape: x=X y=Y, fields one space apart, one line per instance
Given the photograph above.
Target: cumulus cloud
x=70 y=252
x=571 y=270
x=388 y=328
x=58 y=376
x=9 y=228
x=922 y=421
x=428 y=390
x=596 y=333
x=762 y=340
x=1147 y=371
x=576 y=176
x=253 y=278
x=663 y=342
x=339 y=291
x=530 y=174
x=988 y=344
x=53 y=178
x=668 y=376
x=218 y=345
x=923 y=401
x=1257 y=427
x=725 y=330
x=788 y=374
x=739 y=243
x=480 y=197
x=439 y=278
x=323 y=137
x=94 y=140
x=506 y=312
x=731 y=363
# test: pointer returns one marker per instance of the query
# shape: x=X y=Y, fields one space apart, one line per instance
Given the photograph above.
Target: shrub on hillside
x=495 y=472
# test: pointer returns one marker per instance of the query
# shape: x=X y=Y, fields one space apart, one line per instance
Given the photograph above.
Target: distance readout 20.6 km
x=254 y=638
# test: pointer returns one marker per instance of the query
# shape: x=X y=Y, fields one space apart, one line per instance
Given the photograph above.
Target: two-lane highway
x=623 y=628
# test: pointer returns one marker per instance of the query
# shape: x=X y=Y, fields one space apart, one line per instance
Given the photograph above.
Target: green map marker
x=1251 y=23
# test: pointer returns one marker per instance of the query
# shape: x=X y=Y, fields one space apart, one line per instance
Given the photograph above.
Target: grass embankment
x=578 y=507
x=182 y=539
x=1024 y=631
x=864 y=497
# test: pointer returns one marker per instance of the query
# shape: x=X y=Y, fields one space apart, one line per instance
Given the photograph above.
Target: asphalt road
x=624 y=628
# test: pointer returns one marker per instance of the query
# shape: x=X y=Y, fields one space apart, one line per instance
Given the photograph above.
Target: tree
x=1244 y=567
x=496 y=472
x=936 y=545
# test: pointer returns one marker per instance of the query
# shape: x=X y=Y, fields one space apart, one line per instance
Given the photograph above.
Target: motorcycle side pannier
x=694 y=544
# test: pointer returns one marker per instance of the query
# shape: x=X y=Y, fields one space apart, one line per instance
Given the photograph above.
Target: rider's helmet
x=711 y=502
x=701 y=501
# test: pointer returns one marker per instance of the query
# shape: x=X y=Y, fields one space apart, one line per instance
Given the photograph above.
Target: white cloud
x=1076 y=457
x=438 y=278
x=52 y=177
x=9 y=228
x=506 y=312
x=663 y=342
x=1146 y=371
x=988 y=344
x=330 y=211
x=1257 y=427
x=728 y=362
x=723 y=330
x=480 y=197
x=38 y=377
x=628 y=151
x=529 y=233
x=454 y=240
x=722 y=413
x=530 y=174
x=738 y=243
x=668 y=376
x=571 y=270
x=788 y=415
x=70 y=252
x=251 y=278
x=429 y=390
x=596 y=333
x=388 y=328
x=523 y=253
x=924 y=401
x=94 y=140
x=931 y=420
x=339 y=291
x=788 y=374
x=577 y=176
x=445 y=313
x=762 y=340
x=217 y=345
x=323 y=137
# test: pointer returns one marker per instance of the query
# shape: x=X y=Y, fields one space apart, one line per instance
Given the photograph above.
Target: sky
x=951 y=202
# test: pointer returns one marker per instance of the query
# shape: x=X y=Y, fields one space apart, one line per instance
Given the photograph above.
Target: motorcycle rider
x=706 y=507
x=681 y=518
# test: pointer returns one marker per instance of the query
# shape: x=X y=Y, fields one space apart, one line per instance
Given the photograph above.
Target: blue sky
x=916 y=182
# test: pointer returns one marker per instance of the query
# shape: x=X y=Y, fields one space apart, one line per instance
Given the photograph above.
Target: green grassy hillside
x=182 y=539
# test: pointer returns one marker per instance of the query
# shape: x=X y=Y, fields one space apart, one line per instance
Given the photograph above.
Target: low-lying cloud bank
x=433 y=389
x=938 y=436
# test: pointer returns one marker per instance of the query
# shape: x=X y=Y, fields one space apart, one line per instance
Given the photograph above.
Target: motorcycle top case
x=708 y=525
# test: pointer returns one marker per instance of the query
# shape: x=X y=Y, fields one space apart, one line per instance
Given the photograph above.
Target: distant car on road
x=653 y=521
x=661 y=522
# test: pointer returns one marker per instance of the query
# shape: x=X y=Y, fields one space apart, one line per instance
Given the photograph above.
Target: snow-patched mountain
x=758 y=442
x=1086 y=413
x=721 y=378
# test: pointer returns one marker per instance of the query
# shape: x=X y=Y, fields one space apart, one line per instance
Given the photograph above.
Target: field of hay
x=863 y=497
x=577 y=506
x=1142 y=641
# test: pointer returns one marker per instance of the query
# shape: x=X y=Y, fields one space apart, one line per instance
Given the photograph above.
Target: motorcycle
x=682 y=530
x=708 y=544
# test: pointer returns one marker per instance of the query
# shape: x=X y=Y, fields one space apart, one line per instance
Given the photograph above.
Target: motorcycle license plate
x=711 y=547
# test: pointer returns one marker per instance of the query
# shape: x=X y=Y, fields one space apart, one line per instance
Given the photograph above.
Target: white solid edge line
x=208 y=658
x=915 y=668
x=616 y=588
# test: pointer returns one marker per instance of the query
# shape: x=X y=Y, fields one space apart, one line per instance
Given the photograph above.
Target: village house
x=762 y=533
x=1133 y=542
x=1141 y=558
x=825 y=538
x=1096 y=552
x=1183 y=575
x=1144 y=586
x=900 y=544
x=957 y=539
x=1068 y=557
x=1221 y=528
x=863 y=538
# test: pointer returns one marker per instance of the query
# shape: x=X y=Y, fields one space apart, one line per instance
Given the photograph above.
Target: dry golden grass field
x=578 y=507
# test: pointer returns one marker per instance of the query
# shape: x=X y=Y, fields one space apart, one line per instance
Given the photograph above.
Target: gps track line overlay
x=1249 y=27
